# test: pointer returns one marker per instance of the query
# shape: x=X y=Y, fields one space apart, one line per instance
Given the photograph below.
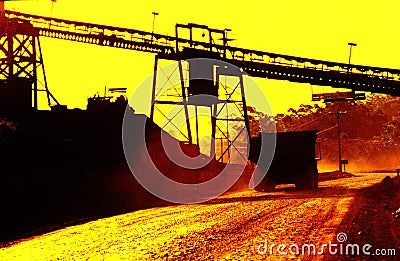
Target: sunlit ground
x=169 y=231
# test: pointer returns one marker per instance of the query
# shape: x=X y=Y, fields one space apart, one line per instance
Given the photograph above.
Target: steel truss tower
x=210 y=86
x=202 y=89
x=21 y=57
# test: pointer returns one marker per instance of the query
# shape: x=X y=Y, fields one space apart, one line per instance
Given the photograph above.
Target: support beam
x=153 y=91
x=185 y=102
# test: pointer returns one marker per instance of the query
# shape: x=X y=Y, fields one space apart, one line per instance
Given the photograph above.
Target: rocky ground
x=236 y=226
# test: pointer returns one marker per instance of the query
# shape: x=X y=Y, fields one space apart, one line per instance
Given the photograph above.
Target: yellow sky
x=314 y=29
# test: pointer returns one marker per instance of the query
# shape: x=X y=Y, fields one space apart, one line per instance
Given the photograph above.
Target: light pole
x=52 y=6
x=339 y=145
x=51 y=12
x=351 y=47
x=154 y=20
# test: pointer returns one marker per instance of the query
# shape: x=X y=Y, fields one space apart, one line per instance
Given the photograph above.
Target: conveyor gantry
x=255 y=63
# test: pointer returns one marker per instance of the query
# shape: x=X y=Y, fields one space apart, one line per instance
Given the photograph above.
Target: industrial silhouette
x=63 y=165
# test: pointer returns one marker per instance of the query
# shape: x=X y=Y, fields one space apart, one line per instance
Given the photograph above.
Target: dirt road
x=237 y=226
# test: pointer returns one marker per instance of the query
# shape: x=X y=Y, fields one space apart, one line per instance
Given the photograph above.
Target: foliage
x=370 y=130
x=377 y=118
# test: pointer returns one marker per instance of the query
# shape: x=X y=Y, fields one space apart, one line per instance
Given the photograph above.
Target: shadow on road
x=369 y=220
x=290 y=193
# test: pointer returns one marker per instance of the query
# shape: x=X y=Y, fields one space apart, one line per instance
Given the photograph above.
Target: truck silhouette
x=294 y=160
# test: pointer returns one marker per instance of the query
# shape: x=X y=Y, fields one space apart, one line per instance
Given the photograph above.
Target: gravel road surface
x=237 y=226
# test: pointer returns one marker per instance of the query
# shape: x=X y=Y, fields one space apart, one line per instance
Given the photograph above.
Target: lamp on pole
x=154 y=20
x=351 y=47
x=339 y=145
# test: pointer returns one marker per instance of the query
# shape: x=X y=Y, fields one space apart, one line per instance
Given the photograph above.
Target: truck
x=294 y=160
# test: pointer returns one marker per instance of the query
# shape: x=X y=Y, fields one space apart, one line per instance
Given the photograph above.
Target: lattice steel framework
x=21 y=57
x=227 y=108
